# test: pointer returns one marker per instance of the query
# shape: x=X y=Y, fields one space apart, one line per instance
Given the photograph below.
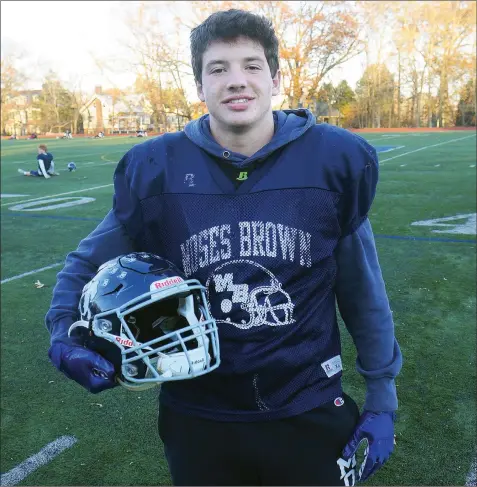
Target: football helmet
x=152 y=322
x=71 y=166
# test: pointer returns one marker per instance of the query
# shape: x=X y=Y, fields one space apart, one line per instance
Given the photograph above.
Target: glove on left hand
x=377 y=430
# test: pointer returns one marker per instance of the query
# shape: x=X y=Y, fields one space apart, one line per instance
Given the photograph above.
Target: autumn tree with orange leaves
x=314 y=38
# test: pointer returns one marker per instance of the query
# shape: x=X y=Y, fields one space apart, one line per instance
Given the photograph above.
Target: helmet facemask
x=163 y=336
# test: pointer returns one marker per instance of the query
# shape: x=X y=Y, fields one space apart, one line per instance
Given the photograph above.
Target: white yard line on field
x=44 y=456
x=372 y=140
x=393 y=148
x=59 y=194
x=52 y=266
x=426 y=147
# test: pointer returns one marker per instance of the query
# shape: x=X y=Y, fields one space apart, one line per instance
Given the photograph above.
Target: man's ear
x=200 y=91
x=276 y=80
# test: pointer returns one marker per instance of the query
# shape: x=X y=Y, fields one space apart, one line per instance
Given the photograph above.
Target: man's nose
x=237 y=80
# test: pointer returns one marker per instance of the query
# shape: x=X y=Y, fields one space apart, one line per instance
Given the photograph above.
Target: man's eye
x=217 y=70
x=253 y=68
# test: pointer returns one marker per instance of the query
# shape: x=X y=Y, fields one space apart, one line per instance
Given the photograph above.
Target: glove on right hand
x=88 y=368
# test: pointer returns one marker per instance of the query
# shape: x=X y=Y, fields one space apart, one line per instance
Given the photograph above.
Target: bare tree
x=160 y=64
x=78 y=100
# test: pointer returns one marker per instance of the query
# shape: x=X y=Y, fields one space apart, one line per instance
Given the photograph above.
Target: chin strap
x=78 y=324
x=138 y=387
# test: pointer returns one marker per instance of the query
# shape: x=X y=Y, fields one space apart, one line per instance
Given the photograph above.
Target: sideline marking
x=427 y=147
x=44 y=456
x=60 y=194
x=107 y=160
x=67 y=202
x=3 y=195
x=387 y=148
x=30 y=273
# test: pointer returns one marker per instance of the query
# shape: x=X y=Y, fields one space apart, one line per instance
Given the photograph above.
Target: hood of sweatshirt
x=289 y=125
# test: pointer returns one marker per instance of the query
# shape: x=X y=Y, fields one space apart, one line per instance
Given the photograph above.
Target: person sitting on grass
x=46 y=166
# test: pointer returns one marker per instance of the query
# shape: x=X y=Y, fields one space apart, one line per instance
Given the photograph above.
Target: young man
x=269 y=211
x=46 y=166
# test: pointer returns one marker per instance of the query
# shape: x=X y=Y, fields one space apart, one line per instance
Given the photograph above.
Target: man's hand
x=377 y=431
x=83 y=365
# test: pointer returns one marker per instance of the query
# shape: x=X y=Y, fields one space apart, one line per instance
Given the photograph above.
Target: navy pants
x=302 y=450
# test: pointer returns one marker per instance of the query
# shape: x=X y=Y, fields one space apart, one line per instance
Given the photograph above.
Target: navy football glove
x=376 y=430
x=85 y=366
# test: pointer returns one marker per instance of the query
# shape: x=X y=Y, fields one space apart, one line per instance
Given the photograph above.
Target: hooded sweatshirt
x=277 y=239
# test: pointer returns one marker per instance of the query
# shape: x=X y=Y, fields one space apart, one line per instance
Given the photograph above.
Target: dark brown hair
x=228 y=25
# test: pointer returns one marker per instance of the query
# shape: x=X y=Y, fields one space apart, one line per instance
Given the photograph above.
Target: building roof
x=126 y=104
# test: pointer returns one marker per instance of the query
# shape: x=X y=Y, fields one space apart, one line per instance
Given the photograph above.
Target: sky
x=67 y=37
x=64 y=36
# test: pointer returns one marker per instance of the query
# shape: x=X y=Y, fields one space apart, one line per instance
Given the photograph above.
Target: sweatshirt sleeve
x=108 y=240
x=364 y=307
x=41 y=165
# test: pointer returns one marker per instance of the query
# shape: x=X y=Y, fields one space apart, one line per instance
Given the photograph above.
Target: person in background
x=46 y=165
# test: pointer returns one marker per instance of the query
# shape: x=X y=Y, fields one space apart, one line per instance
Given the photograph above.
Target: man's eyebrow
x=253 y=58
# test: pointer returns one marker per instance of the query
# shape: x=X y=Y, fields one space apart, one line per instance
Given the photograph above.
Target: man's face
x=237 y=85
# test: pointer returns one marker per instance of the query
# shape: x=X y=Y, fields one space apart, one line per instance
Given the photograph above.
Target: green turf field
x=429 y=271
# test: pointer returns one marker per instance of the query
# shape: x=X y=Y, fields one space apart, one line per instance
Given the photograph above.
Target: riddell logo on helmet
x=125 y=341
x=163 y=283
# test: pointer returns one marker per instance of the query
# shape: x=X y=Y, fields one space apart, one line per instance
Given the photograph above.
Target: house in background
x=325 y=114
x=23 y=113
x=322 y=111
x=115 y=115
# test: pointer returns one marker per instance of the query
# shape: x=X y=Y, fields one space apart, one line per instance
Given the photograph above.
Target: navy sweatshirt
x=275 y=252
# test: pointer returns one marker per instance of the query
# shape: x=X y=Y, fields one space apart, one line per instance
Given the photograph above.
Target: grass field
x=429 y=271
